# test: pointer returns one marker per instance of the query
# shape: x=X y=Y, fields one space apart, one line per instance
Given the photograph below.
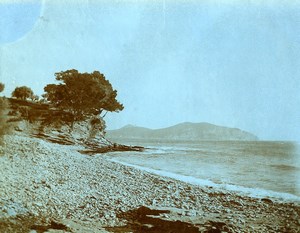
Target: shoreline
x=56 y=186
x=238 y=190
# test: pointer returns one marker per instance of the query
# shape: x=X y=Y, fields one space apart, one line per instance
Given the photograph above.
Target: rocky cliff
x=41 y=121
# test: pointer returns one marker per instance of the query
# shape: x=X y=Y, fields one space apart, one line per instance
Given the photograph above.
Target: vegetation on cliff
x=71 y=112
x=82 y=95
x=4 y=127
x=78 y=97
x=23 y=93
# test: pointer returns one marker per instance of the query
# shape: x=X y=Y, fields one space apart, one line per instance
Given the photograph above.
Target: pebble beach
x=47 y=187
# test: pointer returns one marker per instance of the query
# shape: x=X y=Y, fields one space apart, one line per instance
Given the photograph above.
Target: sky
x=230 y=63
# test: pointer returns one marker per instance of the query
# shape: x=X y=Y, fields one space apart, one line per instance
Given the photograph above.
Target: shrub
x=1 y=87
x=4 y=126
x=23 y=93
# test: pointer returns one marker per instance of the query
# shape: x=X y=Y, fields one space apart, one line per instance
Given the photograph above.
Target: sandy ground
x=47 y=187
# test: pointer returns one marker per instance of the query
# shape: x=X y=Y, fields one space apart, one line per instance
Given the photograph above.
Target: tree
x=82 y=94
x=22 y=93
x=1 y=87
x=4 y=127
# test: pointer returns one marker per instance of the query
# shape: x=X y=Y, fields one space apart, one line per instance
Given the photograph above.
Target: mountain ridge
x=183 y=131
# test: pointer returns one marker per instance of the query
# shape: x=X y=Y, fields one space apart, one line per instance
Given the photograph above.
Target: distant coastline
x=184 y=131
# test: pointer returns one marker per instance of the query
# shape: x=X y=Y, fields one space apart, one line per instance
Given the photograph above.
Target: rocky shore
x=47 y=187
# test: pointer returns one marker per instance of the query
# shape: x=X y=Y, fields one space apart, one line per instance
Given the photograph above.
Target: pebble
x=11 y=212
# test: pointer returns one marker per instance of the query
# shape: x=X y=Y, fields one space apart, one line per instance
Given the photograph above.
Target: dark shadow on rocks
x=145 y=220
x=26 y=223
x=113 y=148
x=52 y=226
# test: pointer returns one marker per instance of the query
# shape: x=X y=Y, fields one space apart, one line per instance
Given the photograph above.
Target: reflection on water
x=272 y=166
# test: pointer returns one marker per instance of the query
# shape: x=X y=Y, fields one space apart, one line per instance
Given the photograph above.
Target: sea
x=263 y=169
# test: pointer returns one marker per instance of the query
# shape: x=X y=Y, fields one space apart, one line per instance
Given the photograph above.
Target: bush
x=23 y=93
x=97 y=125
x=1 y=87
x=4 y=126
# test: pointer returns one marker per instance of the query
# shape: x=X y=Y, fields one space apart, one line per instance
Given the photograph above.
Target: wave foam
x=251 y=192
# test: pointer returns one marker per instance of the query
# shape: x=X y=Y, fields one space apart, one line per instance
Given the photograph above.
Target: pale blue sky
x=231 y=63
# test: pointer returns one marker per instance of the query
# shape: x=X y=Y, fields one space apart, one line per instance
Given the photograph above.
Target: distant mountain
x=184 y=131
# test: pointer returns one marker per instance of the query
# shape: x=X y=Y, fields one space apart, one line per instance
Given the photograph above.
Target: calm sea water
x=261 y=169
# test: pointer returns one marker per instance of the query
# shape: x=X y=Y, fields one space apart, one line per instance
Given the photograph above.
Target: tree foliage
x=1 y=87
x=82 y=94
x=22 y=93
x=4 y=127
